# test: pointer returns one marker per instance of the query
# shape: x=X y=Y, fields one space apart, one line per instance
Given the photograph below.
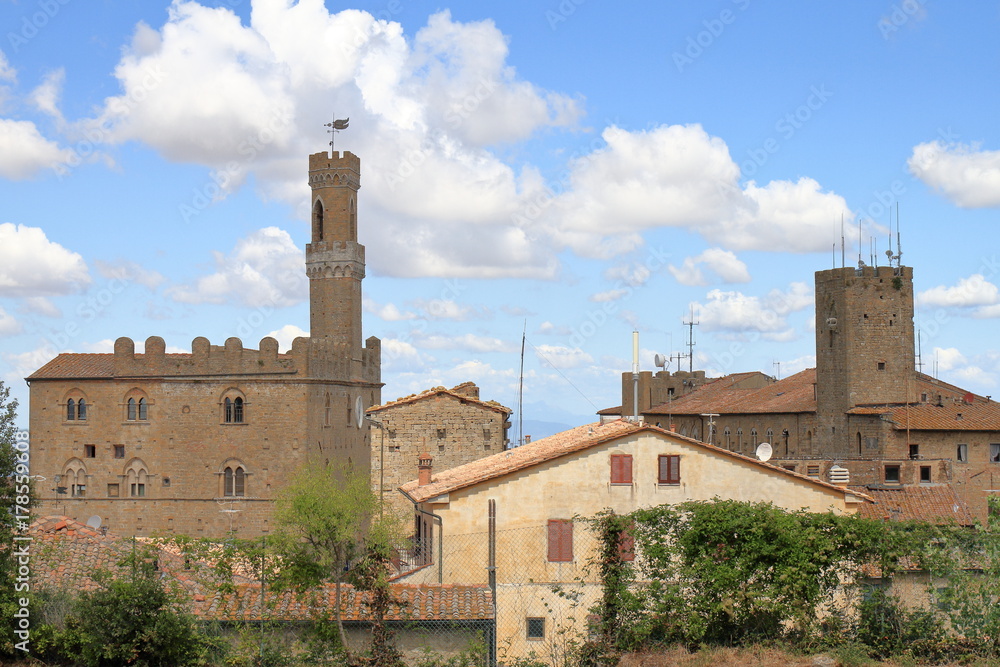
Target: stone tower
x=864 y=346
x=335 y=261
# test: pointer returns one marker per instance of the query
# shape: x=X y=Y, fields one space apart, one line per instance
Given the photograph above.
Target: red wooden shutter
x=560 y=540
x=670 y=469
x=621 y=469
x=626 y=546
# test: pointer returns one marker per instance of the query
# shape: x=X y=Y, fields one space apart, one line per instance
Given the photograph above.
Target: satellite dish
x=659 y=360
x=359 y=411
x=764 y=451
x=94 y=522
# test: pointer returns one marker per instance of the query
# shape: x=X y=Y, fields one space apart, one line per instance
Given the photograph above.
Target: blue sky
x=573 y=169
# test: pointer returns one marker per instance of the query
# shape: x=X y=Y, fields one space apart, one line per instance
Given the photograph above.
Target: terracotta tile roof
x=951 y=416
x=440 y=391
x=86 y=365
x=723 y=396
x=561 y=444
x=933 y=503
x=67 y=554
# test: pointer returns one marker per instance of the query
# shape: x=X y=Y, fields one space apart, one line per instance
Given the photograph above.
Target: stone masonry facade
x=452 y=426
x=199 y=443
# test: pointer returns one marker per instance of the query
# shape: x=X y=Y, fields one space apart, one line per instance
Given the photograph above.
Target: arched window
x=770 y=436
x=143 y=410
x=728 y=435
x=132 y=412
x=81 y=409
x=318 y=221
x=859 y=443
x=234 y=481
x=753 y=437
x=75 y=478
x=136 y=478
x=233 y=407
x=76 y=406
x=136 y=406
x=352 y=212
x=70 y=410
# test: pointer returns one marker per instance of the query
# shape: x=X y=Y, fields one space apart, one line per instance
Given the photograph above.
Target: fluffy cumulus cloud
x=264 y=269
x=680 y=176
x=401 y=356
x=8 y=325
x=967 y=175
x=24 y=151
x=32 y=265
x=286 y=335
x=448 y=309
x=736 y=313
x=469 y=342
x=713 y=265
x=388 y=312
x=975 y=293
x=129 y=272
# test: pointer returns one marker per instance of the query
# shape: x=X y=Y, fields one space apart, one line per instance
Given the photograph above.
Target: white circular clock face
x=359 y=410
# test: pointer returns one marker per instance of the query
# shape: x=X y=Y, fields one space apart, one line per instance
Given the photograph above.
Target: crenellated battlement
x=327 y=170
x=849 y=273
x=204 y=359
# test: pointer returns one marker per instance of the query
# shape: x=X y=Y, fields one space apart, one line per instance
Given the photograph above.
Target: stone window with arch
x=234 y=407
x=74 y=478
x=753 y=437
x=136 y=478
x=318 y=220
x=728 y=434
x=770 y=436
x=136 y=406
x=76 y=406
x=233 y=478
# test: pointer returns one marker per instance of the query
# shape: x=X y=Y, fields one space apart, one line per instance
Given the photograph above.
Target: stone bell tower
x=335 y=261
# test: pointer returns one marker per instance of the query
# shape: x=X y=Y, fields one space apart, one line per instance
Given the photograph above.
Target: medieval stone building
x=198 y=443
x=864 y=408
x=451 y=425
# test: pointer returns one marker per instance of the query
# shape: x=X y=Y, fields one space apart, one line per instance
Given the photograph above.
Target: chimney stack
x=424 y=469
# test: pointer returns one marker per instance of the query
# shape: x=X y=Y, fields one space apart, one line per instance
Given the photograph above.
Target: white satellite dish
x=659 y=360
x=764 y=451
x=94 y=522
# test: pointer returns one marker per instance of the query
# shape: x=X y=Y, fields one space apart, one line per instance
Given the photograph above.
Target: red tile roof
x=87 y=365
x=950 y=416
x=724 y=396
x=933 y=503
x=561 y=444
x=440 y=391
x=67 y=554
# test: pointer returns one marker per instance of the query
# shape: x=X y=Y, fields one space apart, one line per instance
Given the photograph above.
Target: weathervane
x=335 y=127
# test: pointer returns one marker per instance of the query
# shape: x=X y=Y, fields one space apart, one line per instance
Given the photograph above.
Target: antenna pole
x=635 y=376
x=690 y=325
x=520 y=389
x=843 y=251
x=920 y=356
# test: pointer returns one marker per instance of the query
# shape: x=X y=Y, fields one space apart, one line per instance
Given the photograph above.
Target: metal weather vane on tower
x=335 y=127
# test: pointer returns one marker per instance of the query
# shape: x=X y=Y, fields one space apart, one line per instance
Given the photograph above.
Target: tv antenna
x=335 y=127
x=690 y=325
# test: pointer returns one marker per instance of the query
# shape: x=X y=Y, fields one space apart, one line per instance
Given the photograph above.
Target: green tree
x=322 y=518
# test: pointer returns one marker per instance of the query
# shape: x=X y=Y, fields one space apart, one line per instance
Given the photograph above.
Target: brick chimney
x=424 y=469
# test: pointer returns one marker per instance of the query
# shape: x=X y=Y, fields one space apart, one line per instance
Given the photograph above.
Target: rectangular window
x=138 y=490
x=914 y=451
x=440 y=448
x=621 y=469
x=963 y=453
x=119 y=451
x=880 y=366
x=90 y=451
x=560 y=540
x=995 y=453
x=669 y=469
x=112 y=490
x=790 y=467
x=79 y=490
x=925 y=474
x=536 y=628
x=812 y=471
x=892 y=474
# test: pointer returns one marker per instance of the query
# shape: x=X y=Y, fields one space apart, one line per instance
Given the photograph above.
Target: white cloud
x=31 y=265
x=389 y=312
x=400 y=355
x=679 y=176
x=24 y=151
x=722 y=265
x=245 y=99
x=39 y=305
x=608 y=295
x=469 y=342
x=24 y=364
x=949 y=358
x=550 y=329
x=8 y=325
x=264 y=269
x=447 y=309
x=286 y=335
x=973 y=292
x=735 y=312
x=7 y=73
x=964 y=174
x=631 y=274
x=129 y=272
x=46 y=96
x=559 y=356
